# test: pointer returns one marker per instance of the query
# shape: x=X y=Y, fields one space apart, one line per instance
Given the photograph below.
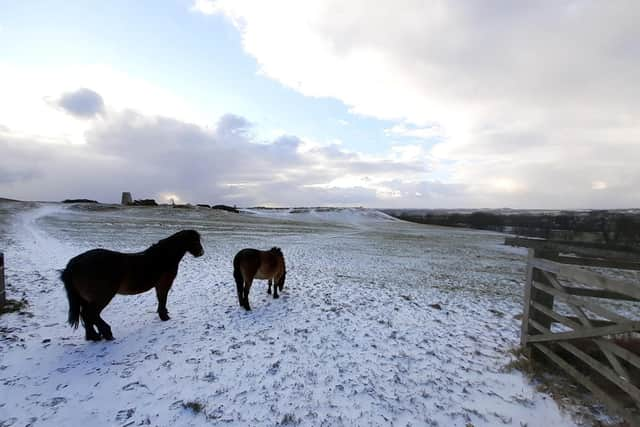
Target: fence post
x=541 y=297
x=533 y=294
x=3 y=296
x=528 y=286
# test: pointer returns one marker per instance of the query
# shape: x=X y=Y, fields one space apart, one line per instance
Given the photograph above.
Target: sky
x=399 y=104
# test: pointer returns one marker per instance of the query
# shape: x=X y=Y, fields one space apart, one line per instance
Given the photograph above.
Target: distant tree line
x=608 y=227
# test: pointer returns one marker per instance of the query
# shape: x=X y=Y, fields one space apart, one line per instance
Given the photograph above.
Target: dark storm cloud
x=83 y=103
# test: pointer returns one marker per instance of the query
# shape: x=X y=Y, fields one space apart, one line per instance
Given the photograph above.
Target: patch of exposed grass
x=289 y=420
x=521 y=361
x=552 y=381
x=194 y=405
x=12 y=306
x=547 y=377
x=496 y=312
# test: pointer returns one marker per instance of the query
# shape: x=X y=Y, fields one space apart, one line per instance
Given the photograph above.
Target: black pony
x=93 y=278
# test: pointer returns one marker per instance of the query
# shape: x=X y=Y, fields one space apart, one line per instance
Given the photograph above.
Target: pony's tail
x=74 y=298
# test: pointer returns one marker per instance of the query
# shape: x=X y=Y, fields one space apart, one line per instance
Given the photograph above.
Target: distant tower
x=126 y=198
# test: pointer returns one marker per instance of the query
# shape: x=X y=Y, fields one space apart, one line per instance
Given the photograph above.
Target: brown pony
x=250 y=264
x=93 y=278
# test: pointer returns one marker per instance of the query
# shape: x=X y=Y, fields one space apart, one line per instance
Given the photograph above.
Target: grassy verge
x=194 y=405
x=570 y=396
x=12 y=306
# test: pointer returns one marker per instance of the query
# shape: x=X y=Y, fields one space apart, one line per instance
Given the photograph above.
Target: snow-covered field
x=381 y=322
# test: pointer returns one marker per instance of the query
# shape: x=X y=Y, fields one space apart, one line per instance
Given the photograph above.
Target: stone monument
x=126 y=198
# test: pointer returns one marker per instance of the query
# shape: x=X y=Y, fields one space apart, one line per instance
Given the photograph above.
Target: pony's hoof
x=276 y=296
x=269 y=291
x=108 y=337
x=164 y=317
x=92 y=337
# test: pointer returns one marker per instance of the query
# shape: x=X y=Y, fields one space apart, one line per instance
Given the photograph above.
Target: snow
x=352 y=216
x=353 y=340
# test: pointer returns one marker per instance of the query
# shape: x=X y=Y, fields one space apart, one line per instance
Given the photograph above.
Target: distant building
x=126 y=198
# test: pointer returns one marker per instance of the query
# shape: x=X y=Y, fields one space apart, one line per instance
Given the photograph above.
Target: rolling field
x=381 y=322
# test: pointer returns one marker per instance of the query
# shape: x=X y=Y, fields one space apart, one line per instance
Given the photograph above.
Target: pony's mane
x=162 y=244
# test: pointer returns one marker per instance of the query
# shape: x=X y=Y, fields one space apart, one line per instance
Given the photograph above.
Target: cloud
x=206 y=7
x=512 y=92
x=504 y=104
x=28 y=105
x=414 y=131
x=233 y=123
x=156 y=156
x=82 y=103
x=598 y=185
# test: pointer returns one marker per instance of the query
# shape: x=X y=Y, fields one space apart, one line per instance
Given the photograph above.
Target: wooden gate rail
x=552 y=276
x=599 y=393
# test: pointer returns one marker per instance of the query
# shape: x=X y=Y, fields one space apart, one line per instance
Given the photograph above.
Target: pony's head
x=191 y=241
x=280 y=282
x=277 y=251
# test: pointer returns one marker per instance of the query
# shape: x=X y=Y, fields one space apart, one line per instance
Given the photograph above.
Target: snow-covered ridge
x=351 y=215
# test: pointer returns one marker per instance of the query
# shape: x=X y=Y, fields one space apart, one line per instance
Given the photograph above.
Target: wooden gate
x=586 y=321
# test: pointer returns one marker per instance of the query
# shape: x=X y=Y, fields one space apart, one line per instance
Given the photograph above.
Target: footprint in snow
x=125 y=414
x=274 y=368
x=8 y=422
x=134 y=385
x=56 y=401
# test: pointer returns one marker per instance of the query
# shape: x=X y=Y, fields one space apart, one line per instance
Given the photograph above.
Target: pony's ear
x=276 y=250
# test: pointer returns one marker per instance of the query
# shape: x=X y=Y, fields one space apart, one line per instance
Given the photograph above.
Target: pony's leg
x=103 y=327
x=162 y=290
x=275 y=291
x=239 y=288
x=88 y=319
x=247 y=288
x=162 y=293
x=269 y=288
